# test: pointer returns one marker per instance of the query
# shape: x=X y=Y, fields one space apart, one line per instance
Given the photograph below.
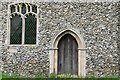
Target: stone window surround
x=81 y=52
x=23 y=23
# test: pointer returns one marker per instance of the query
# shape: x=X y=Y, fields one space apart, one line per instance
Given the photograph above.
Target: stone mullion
x=20 y=8
x=23 y=30
x=30 y=8
x=26 y=8
x=16 y=8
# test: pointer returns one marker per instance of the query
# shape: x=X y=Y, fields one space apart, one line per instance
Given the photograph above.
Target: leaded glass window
x=30 y=29
x=23 y=23
x=34 y=8
x=12 y=8
x=23 y=8
x=16 y=30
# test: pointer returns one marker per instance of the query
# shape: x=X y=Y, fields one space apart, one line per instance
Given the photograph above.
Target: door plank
x=67 y=55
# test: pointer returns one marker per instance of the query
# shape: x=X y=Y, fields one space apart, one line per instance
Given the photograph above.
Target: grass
x=13 y=76
x=0 y=75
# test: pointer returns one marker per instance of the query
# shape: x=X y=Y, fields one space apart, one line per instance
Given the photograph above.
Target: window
x=22 y=23
x=16 y=29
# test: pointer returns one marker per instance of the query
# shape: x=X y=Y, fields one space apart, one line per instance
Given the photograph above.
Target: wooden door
x=67 y=55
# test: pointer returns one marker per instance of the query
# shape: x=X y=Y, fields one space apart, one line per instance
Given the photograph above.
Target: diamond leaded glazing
x=23 y=23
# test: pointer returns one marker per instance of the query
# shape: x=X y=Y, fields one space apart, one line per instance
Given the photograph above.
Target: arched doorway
x=54 y=53
x=67 y=55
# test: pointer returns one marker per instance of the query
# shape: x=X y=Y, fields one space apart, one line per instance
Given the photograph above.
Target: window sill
x=14 y=45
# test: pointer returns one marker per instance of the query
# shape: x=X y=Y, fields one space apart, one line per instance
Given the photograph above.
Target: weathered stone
x=96 y=22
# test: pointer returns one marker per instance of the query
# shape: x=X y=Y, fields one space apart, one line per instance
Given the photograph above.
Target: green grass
x=0 y=75
x=10 y=75
x=38 y=76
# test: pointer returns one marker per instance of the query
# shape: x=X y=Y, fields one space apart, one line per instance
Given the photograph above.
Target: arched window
x=30 y=29
x=22 y=23
x=16 y=29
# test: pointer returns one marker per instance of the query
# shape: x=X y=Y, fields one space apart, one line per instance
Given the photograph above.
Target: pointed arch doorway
x=66 y=58
x=67 y=55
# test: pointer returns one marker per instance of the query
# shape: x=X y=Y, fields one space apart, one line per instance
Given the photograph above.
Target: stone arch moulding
x=81 y=52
